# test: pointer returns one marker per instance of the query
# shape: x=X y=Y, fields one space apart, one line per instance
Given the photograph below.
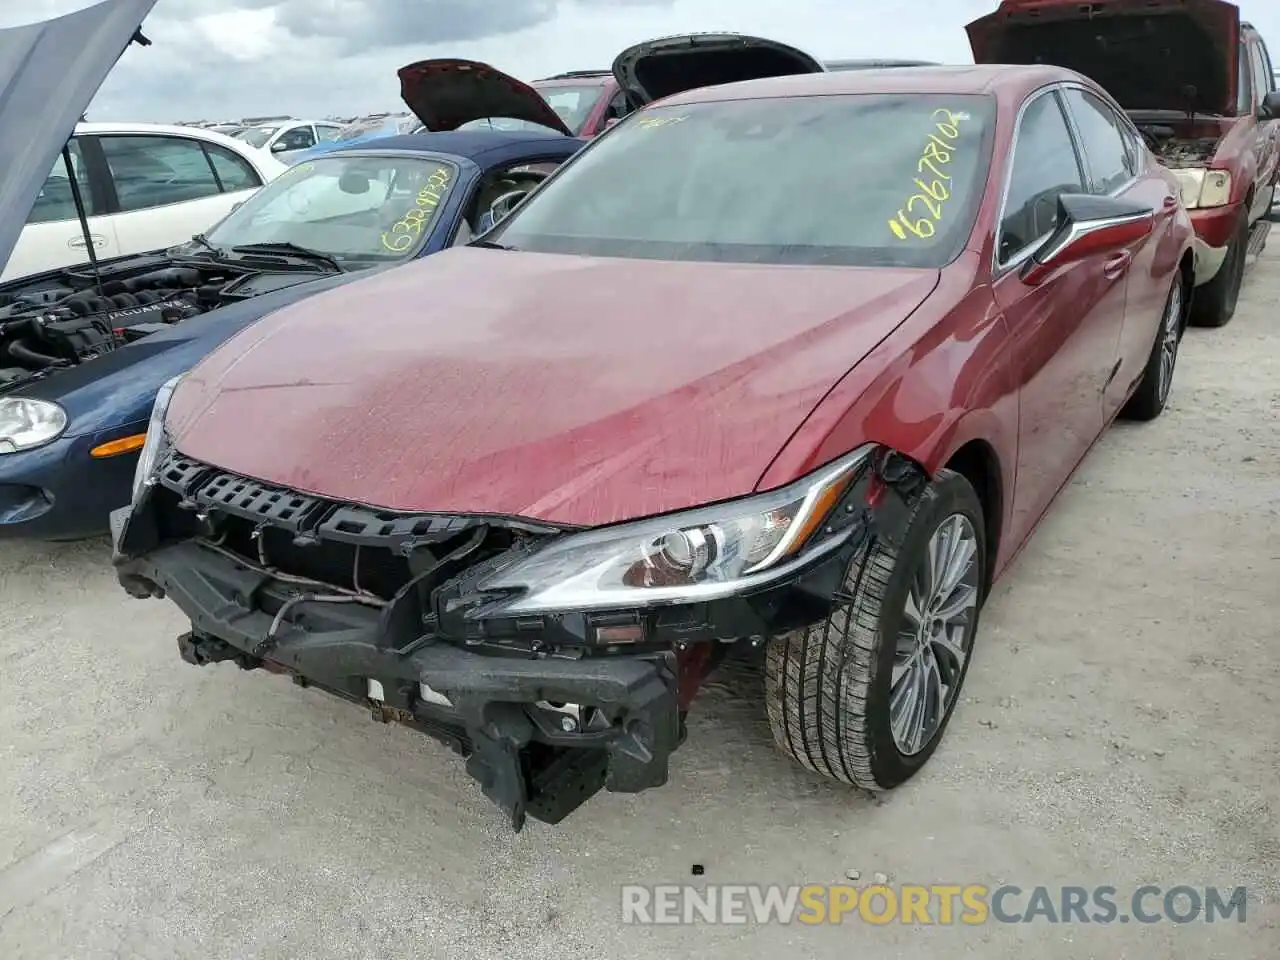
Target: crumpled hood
x=1148 y=54
x=49 y=72
x=569 y=389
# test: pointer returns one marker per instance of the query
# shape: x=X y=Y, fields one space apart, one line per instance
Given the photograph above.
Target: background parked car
x=286 y=140
x=372 y=127
x=144 y=186
x=1199 y=85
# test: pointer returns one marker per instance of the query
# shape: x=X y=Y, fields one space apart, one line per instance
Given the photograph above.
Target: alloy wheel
x=936 y=637
x=1170 y=331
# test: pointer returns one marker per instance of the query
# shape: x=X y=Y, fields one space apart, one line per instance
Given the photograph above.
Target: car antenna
x=77 y=197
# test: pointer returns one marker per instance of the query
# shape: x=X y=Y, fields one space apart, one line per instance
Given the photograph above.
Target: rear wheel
x=864 y=696
x=1214 y=303
x=1149 y=399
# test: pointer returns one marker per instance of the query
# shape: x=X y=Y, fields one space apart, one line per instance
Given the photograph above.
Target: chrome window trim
x=998 y=267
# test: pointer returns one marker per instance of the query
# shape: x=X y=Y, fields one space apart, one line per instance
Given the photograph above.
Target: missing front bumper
x=501 y=713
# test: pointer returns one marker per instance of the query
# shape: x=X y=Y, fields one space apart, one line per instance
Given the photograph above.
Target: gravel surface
x=1119 y=728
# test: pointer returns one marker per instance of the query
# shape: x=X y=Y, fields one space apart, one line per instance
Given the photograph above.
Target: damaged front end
x=557 y=661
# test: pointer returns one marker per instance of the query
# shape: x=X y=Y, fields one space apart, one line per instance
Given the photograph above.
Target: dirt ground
x=1119 y=728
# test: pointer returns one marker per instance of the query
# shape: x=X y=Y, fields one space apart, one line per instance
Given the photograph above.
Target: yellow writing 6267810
x=924 y=208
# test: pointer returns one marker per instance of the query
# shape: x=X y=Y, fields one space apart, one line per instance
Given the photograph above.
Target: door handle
x=78 y=242
x=1116 y=264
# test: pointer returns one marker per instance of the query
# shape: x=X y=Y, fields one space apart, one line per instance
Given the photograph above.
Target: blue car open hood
x=49 y=72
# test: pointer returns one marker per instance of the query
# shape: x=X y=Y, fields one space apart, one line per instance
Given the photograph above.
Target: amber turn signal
x=113 y=448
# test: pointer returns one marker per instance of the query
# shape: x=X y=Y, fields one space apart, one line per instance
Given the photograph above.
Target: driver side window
x=494 y=185
x=1045 y=166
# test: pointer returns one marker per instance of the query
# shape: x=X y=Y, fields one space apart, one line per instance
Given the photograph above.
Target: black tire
x=1149 y=400
x=828 y=686
x=1214 y=303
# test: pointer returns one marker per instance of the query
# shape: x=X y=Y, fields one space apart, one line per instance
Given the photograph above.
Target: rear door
x=52 y=236
x=169 y=187
x=1064 y=329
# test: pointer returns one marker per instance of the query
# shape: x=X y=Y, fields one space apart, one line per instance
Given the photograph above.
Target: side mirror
x=279 y=147
x=1270 y=107
x=1087 y=225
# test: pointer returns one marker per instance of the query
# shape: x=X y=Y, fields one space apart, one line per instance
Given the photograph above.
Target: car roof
x=155 y=129
x=472 y=144
x=1013 y=79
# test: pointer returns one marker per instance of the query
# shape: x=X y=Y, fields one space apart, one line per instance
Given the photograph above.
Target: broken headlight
x=700 y=554
x=27 y=424
x=157 y=442
x=1202 y=188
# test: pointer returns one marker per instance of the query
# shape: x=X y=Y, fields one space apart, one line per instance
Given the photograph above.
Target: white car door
x=53 y=237
x=169 y=187
x=291 y=141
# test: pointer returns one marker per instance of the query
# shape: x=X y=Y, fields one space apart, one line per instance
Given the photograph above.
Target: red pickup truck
x=1198 y=85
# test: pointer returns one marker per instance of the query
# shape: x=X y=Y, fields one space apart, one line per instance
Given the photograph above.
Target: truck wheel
x=1149 y=399
x=864 y=696
x=1214 y=303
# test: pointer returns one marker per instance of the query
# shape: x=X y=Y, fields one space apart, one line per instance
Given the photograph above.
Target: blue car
x=83 y=351
x=360 y=132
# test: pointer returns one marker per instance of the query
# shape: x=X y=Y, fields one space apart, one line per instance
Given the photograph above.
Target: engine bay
x=1174 y=148
x=57 y=321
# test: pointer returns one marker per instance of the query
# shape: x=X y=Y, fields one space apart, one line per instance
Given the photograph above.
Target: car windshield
x=885 y=179
x=360 y=128
x=355 y=209
x=572 y=104
x=256 y=136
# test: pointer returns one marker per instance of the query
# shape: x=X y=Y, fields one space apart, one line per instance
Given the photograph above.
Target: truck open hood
x=660 y=68
x=49 y=72
x=446 y=93
x=1148 y=54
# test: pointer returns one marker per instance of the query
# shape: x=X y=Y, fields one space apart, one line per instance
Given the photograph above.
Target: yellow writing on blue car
x=405 y=231
x=924 y=208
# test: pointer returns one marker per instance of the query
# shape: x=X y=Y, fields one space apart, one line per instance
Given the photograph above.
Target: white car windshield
x=256 y=136
x=355 y=209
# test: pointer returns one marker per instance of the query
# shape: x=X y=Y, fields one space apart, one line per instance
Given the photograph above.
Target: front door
x=1063 y=331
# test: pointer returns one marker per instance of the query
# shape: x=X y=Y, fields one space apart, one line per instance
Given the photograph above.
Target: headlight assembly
x=700 y=554
x=1202 y=188
x=27 y=424
x=157 y=443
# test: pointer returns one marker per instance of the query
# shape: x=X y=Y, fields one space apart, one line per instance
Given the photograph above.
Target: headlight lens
x=156 y=442
x=696 y=555
x=1204 y=188
x=26 y=424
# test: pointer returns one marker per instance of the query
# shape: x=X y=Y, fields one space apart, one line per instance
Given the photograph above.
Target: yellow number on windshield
x=405 y=231
x=924 y=208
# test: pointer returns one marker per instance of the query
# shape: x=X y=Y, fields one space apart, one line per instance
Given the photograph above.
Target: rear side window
x=55 y=201
x=157 y=171
x=234 y=172
x=1110 y=161
x=1045 y=166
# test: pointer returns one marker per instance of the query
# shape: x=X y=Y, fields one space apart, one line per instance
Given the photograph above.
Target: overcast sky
x=223 y=59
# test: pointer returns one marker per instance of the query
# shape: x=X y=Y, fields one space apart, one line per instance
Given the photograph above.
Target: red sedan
x=797 y=362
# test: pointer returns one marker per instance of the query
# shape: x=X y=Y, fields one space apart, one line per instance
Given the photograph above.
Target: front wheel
x=1214 y=303
x=864 y=696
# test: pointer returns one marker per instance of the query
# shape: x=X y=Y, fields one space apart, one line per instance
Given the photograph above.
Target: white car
x=284 y=139
x=144 y=186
